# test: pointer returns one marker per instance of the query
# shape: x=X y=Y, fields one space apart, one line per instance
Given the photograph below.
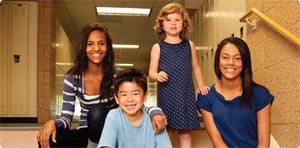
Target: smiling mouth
x=130 y=106
x=229 y=69
x=96 y=54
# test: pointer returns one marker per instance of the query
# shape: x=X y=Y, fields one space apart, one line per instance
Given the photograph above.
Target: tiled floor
x=18 y=139
x=200 y=140
x=25 y=137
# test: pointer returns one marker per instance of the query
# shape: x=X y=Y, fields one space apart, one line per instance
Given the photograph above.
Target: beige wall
x=276 y=65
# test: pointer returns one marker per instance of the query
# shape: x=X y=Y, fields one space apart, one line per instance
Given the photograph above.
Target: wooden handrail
x=273 y=24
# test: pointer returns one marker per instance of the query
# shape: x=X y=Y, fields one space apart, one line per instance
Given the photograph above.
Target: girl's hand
x=162 y=76
x=45 y=132
x=159 y=122
x=203 y=89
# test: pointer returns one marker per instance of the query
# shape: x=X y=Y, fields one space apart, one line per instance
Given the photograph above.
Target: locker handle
x=17 y=58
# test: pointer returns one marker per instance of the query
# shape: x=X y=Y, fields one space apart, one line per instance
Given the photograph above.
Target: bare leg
x=172 y=134
x=185 y=136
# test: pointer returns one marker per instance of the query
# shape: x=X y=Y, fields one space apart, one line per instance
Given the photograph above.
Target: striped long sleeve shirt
x=73 y=88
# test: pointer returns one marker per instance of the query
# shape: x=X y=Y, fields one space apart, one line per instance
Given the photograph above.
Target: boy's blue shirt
x=118 y=132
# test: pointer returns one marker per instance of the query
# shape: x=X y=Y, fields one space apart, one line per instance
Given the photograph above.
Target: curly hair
x=81 y=60
x=170 y=8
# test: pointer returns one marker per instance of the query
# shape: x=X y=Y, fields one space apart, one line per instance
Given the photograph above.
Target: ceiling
x=74 y=14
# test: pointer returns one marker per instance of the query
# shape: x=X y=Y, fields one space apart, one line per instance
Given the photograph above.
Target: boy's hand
x=159 y=122
x=203 y=89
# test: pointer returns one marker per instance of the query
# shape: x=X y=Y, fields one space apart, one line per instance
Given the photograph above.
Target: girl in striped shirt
x=91 y=81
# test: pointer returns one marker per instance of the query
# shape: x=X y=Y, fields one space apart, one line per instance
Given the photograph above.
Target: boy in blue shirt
x=128 y=125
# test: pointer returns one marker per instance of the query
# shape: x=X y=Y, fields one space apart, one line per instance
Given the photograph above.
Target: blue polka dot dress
x=176 y=97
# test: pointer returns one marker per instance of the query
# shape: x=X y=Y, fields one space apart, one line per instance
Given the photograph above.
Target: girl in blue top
x=236 y=111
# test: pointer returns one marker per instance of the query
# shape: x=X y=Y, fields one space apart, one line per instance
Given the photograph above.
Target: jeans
x=76 y=138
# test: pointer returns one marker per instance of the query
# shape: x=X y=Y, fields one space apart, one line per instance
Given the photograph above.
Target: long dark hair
x=246 y=74
x=81 y=60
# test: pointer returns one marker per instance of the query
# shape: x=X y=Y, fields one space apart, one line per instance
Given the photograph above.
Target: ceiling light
x=125 y=46
x=202 y=48
x=121 y=11
x=64 y=64
x=124 y=64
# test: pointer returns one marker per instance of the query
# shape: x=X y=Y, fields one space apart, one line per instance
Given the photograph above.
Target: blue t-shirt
x=118 y=132
x=236 y=122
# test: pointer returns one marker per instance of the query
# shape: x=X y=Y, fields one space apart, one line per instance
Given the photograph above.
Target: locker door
x=3 y=59
x=19 y=60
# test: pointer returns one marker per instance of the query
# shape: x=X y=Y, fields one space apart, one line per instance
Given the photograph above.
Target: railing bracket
x=252 y=24
x=270 y=22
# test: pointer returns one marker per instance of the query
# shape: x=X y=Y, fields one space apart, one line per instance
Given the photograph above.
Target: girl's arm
x=264 y=126
x=212 y=130
x=153 y=68
x=201 y=87
x=109 y=135
x=68 y=106
x=158 y=118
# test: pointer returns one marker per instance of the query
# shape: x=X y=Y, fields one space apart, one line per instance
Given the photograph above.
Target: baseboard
x=18 y=119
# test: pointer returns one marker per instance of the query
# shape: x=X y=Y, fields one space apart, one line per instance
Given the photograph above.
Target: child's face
x=131 y=98
x=173 y=24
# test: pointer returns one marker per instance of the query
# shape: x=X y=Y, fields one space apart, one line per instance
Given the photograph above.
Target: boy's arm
x=162 y=140
x=201 y=87
x=109 y=133
x=158 y=118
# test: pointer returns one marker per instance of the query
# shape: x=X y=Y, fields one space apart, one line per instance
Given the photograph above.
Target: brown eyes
x=236 y=58
x=134 y=94
x=92 y=44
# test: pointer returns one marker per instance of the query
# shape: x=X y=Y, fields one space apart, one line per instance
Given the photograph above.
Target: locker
x=19 y=62
x=18 y=97
x=4 y=60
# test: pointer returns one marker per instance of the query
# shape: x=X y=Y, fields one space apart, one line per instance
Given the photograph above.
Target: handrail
x=273 y=24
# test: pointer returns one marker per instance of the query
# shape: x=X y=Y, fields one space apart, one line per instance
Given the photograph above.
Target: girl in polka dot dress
x=173 y=60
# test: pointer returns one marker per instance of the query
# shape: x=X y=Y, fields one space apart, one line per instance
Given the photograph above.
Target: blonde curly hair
x=170 y=8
